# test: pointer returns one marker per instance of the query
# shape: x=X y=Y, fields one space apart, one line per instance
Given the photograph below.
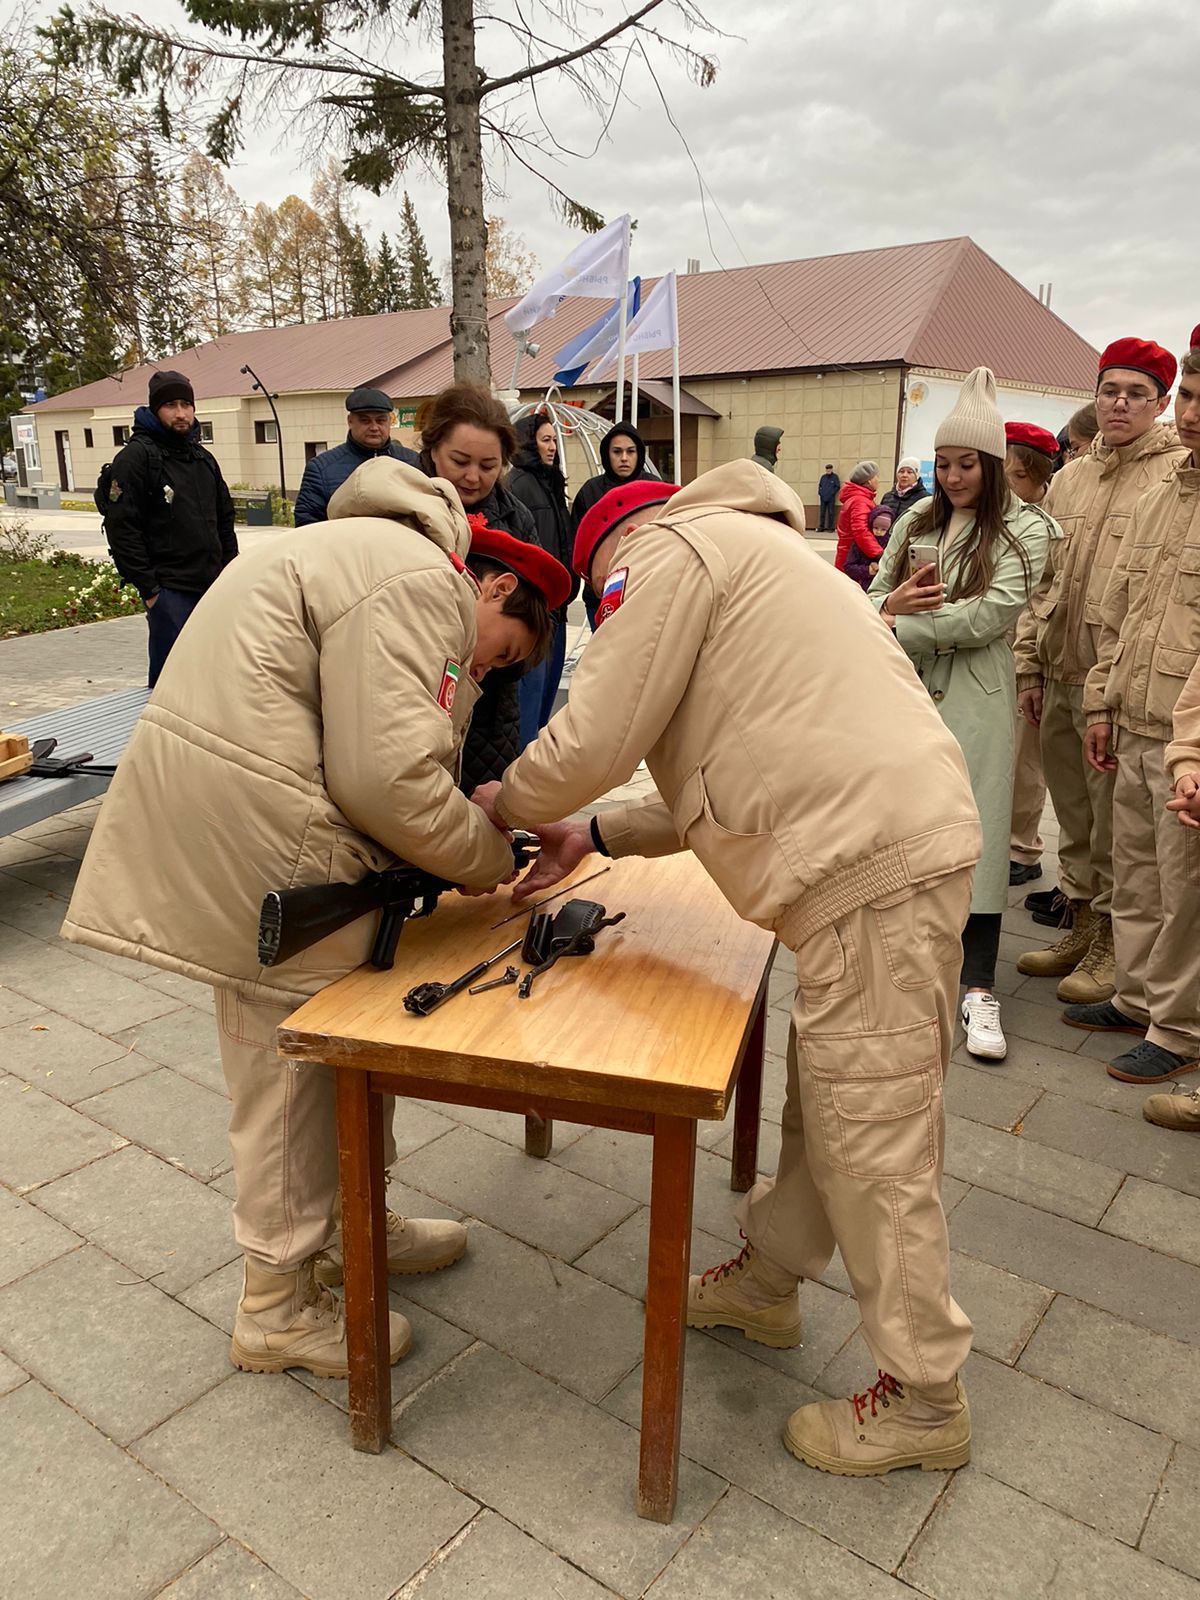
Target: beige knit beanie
x=975 y=423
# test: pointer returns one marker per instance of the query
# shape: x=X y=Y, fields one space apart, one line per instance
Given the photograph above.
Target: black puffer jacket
x=542 y=490
x=494 y=738
x=900 y=503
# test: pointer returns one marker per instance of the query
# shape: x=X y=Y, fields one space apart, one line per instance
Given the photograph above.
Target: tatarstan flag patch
x=612 y=594
x=450 y=676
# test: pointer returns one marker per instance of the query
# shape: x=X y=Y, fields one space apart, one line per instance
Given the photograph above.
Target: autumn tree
x=511 y=265
x=335 y=60
x=259 y=269
x=301 y=239
x=211 y=220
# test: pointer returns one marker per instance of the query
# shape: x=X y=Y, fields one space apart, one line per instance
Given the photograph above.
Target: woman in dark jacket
x=467 y=438
x=909 y=490
x=537 y=482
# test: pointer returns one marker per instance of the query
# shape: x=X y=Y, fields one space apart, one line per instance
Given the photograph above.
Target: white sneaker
x=981 y=1019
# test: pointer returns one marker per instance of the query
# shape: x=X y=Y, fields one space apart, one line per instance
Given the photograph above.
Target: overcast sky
x=1059 y=134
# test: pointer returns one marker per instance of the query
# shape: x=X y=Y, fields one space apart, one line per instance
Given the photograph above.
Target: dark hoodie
x=542 y=490
x=595 y=487
x=766 y=447
x=169 y=517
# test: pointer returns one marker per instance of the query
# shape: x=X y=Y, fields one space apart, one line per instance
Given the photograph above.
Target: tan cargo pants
x=864 y=1127
x=283 y=1130
x=1029 y=796
x=1156 y=901
x=1082 y=799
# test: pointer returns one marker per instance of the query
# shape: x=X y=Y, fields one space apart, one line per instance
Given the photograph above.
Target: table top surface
x=654 y=1019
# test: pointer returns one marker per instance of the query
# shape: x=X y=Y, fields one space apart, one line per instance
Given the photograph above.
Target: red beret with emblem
x=1141 y=355
x=528 y=561
x=1030 y=434
x=610 y=511
x=1194 y=341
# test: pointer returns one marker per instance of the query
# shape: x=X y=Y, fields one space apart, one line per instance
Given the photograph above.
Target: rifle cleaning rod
x=525 y=910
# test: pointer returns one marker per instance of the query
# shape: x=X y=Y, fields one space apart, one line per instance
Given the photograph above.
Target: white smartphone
x=925 y=555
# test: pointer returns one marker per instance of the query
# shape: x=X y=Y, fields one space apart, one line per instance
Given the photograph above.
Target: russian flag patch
x=612 y=594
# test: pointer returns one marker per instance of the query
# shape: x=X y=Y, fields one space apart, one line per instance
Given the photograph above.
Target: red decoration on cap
x=610 y=511
x=1036 y=438
x=1141 y=355
x=528 y=561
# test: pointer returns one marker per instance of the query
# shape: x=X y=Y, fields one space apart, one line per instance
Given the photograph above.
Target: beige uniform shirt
x=794 y=748
x=1150 y=632
x=1182 y=755
x=1092 y=500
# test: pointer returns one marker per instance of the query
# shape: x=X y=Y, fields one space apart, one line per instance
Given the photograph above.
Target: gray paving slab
x=1145 y=1288
x=1004 y=1309
x=53 y=874
x=561 y=1470
x=80 y=1515
x=1063 y=1072
x=1126 y=1370
x=16 y=849
x=506 y=1125
x=41 y=1139
x=171 y=1115
x=215 y=1297
x=229 y=1573
x=29 y=1238
x=828 y=1320
x=734 y=1412
x=165 y=1225
x=80 y=989
x=15 y=1007
x=122 y=1353
x=435 y=1343
x=537 y=1201
x=175 y=984
x=1065 y=1453
x=1157 y=1215
x=539 y=1310
x=12 y=1376
x=495 y=1561
x=1171 y=1533
x=69 y=1062
x=750 y=1550
x=270 y=1463
x=620 y=1257
x=989 y=1542
x=985 y=1094
x=415 y=1124
x=622 y=1161
x=185 y=1039
x=1132 y=1144
x=1024 y=1170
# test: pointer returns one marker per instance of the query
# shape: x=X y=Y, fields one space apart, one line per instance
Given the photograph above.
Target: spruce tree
x=423 y=287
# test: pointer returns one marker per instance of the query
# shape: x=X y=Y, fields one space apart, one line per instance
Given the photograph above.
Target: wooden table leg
x=747 y=1109
x=539 y=1135
x=364 y=1252
x=666 y=1310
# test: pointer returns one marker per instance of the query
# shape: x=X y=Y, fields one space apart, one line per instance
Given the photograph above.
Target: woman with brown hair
x=955 y=576
x=467 y=439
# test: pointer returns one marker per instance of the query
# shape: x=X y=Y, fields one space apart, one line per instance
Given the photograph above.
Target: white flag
x=596 y=269
x=656 y=327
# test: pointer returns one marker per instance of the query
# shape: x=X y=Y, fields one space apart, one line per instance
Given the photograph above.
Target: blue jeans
x=166 y=618
x=539 y=686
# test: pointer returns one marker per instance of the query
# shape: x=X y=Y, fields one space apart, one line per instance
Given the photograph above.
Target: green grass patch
x=78 y=505
x=62 y=592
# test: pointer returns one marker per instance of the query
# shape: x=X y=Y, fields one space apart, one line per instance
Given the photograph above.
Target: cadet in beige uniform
x=834 y=809
x=1149 y=643
x=1091 y=500
x=305 y=730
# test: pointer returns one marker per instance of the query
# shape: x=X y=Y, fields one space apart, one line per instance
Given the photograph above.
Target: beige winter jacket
x=795 y=750
x=1182 y=755
x=1150 y=636
x=296 y=737
x=1091 y=500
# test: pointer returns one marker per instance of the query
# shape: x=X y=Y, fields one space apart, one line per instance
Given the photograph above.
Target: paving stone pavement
x=134 y=1453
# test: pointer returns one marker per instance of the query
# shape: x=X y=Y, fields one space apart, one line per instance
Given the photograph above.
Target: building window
x=88 y=443
x=314 y=447
x=266 y=433
x=206 y=433
x=120 y=435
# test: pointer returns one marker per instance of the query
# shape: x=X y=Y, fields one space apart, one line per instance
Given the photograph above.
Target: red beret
x=524 y=560
x=1029 y=433
x=1141 y=355
x=610 y=511
x=1194 y=341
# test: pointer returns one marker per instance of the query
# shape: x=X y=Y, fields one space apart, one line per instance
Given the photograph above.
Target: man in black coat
x=168 y=515
x=368 y=421
x=828 y=490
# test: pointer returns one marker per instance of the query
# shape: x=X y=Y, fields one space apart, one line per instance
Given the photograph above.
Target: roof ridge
x=963 y=243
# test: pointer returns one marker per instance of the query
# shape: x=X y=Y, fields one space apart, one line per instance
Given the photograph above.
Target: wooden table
x=648 y=1035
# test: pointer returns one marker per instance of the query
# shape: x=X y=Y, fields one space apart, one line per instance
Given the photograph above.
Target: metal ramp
x=104 y=726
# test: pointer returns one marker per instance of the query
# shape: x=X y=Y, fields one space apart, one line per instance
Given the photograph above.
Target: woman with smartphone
x=956 y=574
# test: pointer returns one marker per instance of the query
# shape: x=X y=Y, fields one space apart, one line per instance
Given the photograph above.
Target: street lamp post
x=271 y=399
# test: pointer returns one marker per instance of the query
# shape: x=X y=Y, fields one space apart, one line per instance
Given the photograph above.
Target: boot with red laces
x=889 y=1426
x=749 y=1294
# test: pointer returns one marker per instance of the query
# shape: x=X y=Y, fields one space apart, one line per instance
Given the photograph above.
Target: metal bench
x=104 y=726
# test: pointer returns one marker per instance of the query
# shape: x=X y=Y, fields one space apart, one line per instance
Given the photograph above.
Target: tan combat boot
x=738 y=1294
x=288 y=1319
x=888 y=1427
x=1179 y=1112
x=1065 y=956
x=413 y=1245
x=1095 y=978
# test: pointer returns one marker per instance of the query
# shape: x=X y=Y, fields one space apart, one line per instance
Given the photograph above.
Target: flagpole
x=675 y=408
x=633 y=385
x=619 y=413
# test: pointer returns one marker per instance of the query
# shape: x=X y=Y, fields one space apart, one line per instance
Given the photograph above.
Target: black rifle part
x=570 y=932
x=292 y=919
x=46 y=765
x=426 y=997
x=510 y=975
